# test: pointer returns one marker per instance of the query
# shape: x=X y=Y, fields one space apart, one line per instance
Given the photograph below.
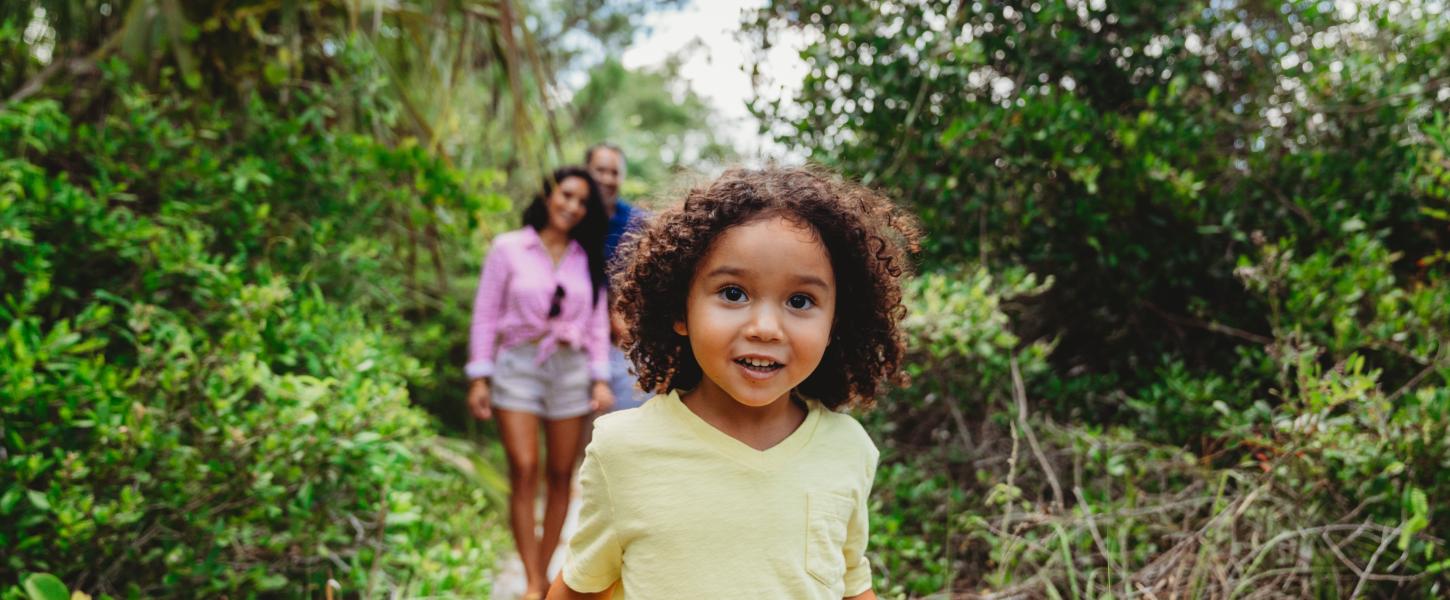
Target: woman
x=539 y=351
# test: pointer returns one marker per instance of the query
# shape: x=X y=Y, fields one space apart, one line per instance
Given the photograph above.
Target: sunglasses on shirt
x=556 y=307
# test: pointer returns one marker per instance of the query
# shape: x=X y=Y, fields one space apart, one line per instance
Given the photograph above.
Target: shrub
x=1325 y=482
x=206 y=357
x=962 y=357
x=1132 y=152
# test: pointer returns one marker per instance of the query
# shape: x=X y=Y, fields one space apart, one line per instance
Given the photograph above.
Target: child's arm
x=595 y=556
x=561 y=591
x=858 y=568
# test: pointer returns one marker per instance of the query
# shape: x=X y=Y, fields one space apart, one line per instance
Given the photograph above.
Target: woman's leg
x=520 y=432
x=563 y=439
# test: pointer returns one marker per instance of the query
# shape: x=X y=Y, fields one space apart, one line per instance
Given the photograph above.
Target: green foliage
x=969 y=496
x=206 y=361
x=229 y=51
x=909 y=525
x=961 y=357
x=1339 y=421
x=237 y=248
x=957 y=325
x=961 y=352
x=1131 y=152
x=1242 y=209
x=1432 y=177
x=663 y=127
x=44 y=586
x=470 y=82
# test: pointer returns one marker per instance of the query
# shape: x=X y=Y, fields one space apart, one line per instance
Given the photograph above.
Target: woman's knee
x=560 y=475
x=523 y=468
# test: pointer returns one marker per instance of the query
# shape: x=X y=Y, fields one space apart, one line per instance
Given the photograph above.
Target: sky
x=716 y=68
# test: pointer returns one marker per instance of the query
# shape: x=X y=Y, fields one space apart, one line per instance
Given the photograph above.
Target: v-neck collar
x=764 y=460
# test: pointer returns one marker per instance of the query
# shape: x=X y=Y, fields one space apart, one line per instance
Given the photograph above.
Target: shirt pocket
x=827 y=514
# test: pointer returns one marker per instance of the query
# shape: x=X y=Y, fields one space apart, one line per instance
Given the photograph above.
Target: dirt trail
x=509 y=581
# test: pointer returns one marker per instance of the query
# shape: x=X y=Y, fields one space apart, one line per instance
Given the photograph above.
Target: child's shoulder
x=843 y=431
x=629 y=427
x=840 y=423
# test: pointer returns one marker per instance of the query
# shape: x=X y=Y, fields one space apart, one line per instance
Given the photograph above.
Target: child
x=756 y=309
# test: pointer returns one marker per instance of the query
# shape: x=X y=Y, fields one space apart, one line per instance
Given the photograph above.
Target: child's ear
x=681 y=329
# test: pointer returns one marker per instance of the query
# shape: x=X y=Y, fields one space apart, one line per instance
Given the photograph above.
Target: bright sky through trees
x=716 y=63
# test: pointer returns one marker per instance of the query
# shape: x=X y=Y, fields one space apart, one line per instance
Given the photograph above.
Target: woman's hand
x=479 y=400
x=600 y=397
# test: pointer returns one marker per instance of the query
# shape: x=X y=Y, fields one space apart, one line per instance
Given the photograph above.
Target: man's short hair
x=589 y=154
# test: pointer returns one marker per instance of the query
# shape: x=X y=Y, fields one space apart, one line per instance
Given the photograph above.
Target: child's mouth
x=758 y=365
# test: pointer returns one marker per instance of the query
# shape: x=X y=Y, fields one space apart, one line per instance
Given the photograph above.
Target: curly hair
x=866 y=236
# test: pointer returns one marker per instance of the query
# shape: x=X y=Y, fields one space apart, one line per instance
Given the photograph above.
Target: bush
x=206 y=357
x=1328 y=475
x=1132 y=152
x=962 y=357
x=1242 y=209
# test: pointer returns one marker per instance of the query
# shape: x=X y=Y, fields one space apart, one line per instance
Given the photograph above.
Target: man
x=605 y=162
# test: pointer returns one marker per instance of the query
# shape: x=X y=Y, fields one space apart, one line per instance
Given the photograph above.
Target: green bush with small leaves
x=206 y=356
x=1334 y=463
x=1244 y=212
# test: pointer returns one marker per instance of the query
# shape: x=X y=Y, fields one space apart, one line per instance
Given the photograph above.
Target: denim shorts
x=556 y=389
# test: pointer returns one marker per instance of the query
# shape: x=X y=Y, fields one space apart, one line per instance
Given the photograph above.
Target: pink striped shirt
x=515 y=291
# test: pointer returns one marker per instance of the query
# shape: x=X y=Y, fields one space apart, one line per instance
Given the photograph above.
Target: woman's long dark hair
x=589 y=232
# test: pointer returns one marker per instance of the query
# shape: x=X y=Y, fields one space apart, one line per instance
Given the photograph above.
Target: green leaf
x=44 y=586
x=8 y=501
x=275 y=73
x=1410 y=528
x=953 y=132
x=38 y=499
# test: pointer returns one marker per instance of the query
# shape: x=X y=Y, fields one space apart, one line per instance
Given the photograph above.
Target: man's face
x=607 y=168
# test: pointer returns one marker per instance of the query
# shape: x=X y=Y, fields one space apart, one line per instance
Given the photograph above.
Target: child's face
x=760 y=310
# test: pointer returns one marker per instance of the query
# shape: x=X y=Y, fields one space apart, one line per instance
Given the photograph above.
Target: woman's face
x=566 y=204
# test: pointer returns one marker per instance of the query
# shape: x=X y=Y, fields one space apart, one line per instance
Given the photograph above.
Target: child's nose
x=764 y=325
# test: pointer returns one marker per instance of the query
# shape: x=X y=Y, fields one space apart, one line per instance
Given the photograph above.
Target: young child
x=759 y=307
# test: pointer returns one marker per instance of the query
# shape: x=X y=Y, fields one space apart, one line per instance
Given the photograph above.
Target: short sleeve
x=595 y=553
x=858 y=531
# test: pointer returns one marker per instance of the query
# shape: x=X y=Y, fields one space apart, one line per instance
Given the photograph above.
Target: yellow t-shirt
x=675 y=508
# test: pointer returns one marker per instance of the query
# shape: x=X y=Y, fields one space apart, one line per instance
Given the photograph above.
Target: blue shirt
x=624 y=220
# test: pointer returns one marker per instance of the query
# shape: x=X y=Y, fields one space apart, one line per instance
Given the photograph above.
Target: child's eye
x=732 y=294
x=800 y=302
